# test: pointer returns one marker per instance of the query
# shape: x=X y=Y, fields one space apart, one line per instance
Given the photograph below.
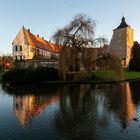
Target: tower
x=122 y=42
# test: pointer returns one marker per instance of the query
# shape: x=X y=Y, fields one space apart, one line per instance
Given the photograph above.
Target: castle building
x=27 y=46
x=122 y=42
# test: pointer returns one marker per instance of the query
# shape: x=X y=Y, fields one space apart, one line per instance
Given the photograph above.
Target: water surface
x=73 y=112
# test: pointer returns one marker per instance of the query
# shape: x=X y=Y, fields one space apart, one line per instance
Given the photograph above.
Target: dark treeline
x=30 y=75
x=134 y=63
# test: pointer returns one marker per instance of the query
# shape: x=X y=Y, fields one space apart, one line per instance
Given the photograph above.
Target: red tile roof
x=36 y=41
x=54 y=46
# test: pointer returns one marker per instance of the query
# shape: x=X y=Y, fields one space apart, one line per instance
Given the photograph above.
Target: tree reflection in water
x=135 y=86
x=77 y=116
x=85 y=108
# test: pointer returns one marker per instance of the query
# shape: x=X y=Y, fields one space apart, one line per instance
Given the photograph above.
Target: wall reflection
x=85 y=108
x=31 y=100
x=25 y=107
x=82 y=109
x=121 y=102
x=129 y=104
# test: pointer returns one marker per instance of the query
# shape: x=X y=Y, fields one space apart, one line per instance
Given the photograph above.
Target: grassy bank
x=127 y=75
x=131 y=75
x=100 y=77
x=49 y=76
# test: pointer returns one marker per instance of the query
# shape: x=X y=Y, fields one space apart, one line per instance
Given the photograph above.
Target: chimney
x=37 y=35
x=28 y=30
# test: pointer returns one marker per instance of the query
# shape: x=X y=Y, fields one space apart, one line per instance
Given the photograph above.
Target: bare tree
x=75 y=39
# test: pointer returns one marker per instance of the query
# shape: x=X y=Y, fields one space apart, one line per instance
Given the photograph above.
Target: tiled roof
x=38 y=42
x=54 y=46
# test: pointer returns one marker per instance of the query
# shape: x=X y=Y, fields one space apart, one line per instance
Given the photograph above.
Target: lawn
x=131 y=75
x=102 y=76
x=127 y=75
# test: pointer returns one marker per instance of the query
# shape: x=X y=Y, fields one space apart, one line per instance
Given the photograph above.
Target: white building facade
x=27 y=46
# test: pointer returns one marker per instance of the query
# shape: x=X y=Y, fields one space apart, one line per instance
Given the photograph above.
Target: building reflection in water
x=82 y=109
x=122 y=105
x=85 y=108
x=25 y=107
x=129 y=104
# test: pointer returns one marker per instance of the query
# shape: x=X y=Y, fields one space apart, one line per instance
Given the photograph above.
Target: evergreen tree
x=134 y=63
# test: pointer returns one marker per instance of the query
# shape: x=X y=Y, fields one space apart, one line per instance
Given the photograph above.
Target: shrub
x=13 y=75
x=41 y=74
x=30 y=75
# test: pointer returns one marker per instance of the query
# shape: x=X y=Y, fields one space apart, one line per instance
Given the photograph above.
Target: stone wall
x=37 y=63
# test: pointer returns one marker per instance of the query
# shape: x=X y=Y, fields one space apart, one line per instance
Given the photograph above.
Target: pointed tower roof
x=123 y=24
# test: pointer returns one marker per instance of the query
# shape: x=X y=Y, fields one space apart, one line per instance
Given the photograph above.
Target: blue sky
x=43 y=17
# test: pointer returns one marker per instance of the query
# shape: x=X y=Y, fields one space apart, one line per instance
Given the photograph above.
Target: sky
x=44 y=17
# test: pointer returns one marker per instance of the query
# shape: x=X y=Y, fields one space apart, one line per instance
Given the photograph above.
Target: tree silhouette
x=134 y=63
x=75 y=39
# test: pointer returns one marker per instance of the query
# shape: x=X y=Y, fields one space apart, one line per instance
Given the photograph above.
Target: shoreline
x=100 y=77
x=60 y=82
x=87 y=82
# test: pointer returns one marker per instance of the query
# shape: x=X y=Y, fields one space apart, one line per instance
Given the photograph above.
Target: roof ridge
x=36 y=36
x=23 y=28
x=38 y=42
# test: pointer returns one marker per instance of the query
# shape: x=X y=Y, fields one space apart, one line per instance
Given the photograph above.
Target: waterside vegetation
x=29 y=75
x=50 y=76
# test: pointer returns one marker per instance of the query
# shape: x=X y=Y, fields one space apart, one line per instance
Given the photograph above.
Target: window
x=15 y=48
x=37 y=51
x=32 y=49
x=20 y=48
x=40 y=52
x=15 y=57
x=53 y=56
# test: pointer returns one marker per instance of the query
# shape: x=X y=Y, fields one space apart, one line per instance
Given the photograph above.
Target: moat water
x=72 y=112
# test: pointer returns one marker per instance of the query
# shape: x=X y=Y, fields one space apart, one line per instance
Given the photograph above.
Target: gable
x=20 y=38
